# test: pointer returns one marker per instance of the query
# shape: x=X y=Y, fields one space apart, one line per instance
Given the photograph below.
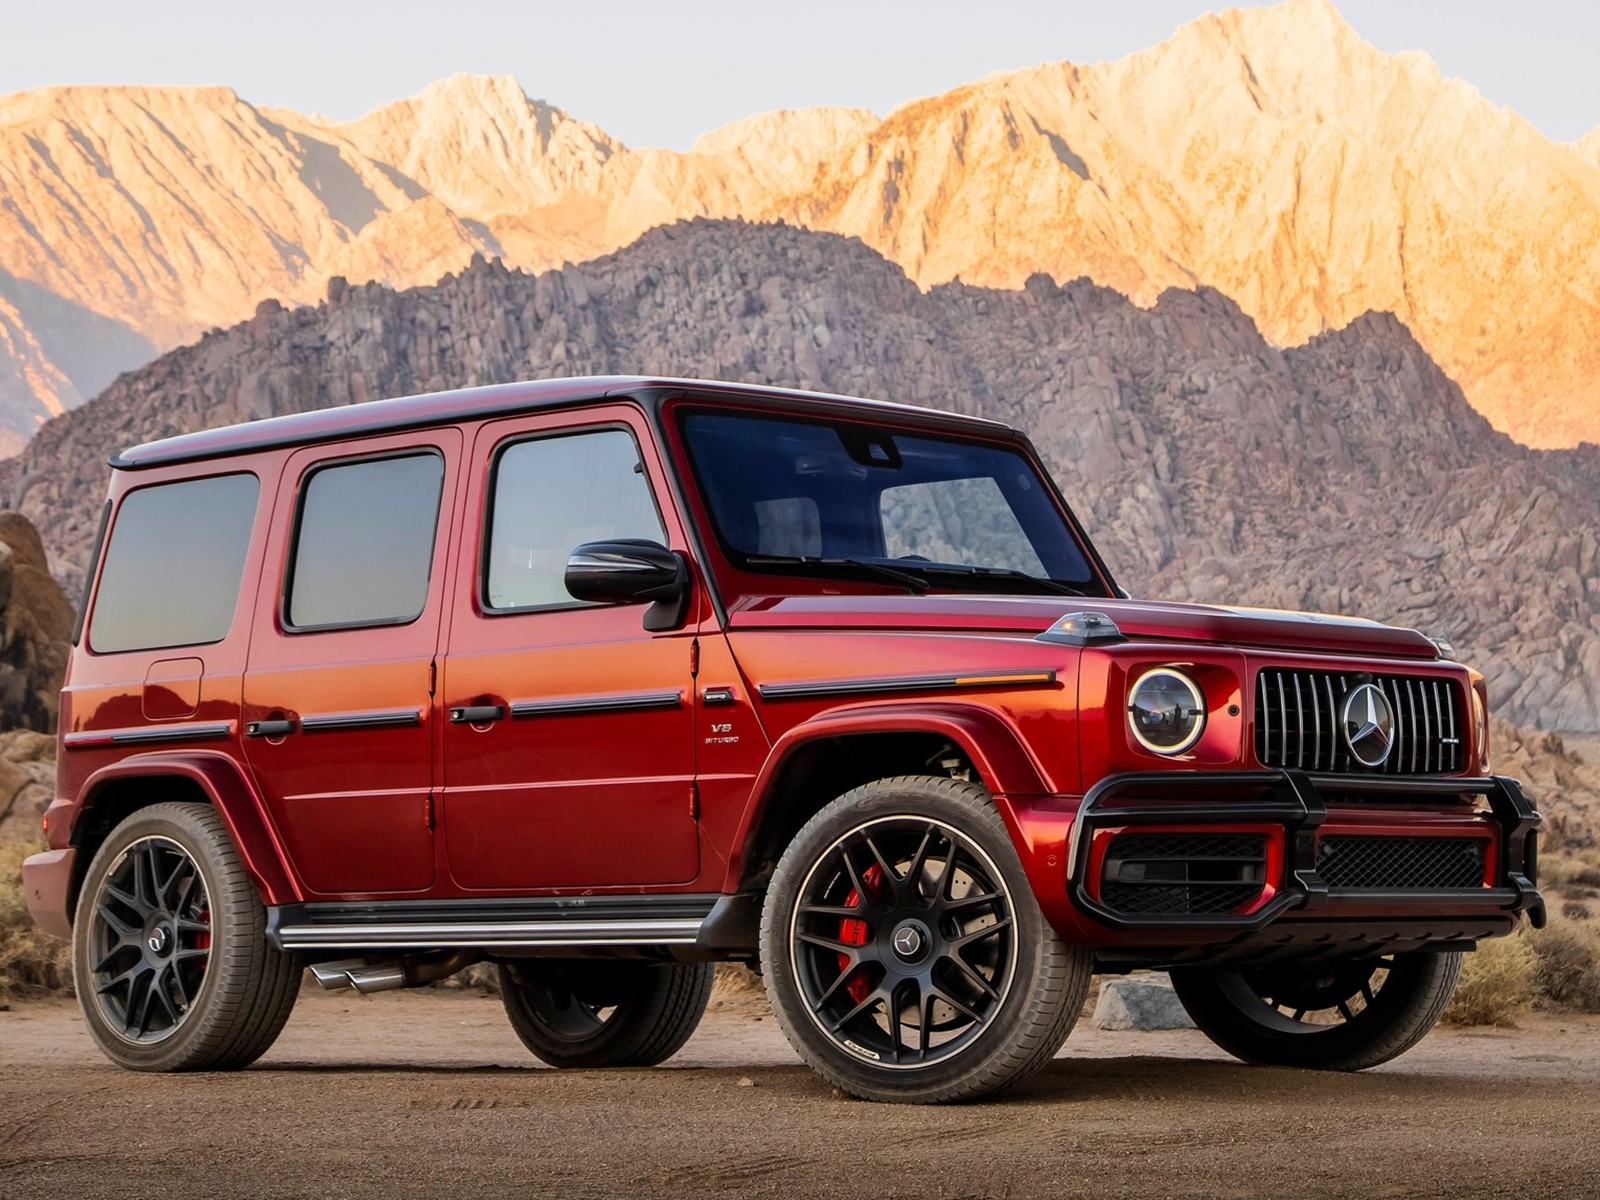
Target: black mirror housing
x=632 y=571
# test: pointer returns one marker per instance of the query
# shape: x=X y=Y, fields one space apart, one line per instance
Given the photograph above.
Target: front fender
x=996 y=750
x=260 y=849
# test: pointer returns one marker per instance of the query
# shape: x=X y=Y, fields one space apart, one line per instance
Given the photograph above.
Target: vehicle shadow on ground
x=1064 y=1081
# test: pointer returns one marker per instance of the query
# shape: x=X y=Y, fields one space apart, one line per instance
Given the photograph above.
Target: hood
x=1211 y=624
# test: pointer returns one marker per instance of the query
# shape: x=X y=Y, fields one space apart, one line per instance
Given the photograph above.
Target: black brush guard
x=1294 y=799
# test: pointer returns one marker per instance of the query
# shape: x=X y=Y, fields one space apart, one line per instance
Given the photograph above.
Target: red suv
x=604 y=680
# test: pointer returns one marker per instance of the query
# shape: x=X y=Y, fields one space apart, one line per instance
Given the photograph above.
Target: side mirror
x=632 y=571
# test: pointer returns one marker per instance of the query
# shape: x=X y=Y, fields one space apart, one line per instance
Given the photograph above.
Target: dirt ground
x=430 y=1094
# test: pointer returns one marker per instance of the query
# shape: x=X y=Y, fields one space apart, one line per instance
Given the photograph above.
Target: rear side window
x=551 y=496
x=364 y=543
x=173 y=565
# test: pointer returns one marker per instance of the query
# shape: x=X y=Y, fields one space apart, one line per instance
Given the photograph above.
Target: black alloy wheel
x=904 y=942
x=170 y=956
x=905 y=955
x=150 y=940
x=1344 y=1015
x=599 y=1013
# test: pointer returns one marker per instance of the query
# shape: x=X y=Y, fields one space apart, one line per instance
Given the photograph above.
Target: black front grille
x=1297 y=722
x=1182 y=874
x=1399 y=863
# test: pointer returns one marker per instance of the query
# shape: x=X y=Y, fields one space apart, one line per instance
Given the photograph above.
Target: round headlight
x=1166 y=711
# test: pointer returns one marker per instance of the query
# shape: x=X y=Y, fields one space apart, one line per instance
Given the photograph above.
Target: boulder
x=1140 y=1002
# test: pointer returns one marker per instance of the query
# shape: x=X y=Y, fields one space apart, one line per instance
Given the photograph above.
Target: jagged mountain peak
x=1271 y=153
x=1181 y=435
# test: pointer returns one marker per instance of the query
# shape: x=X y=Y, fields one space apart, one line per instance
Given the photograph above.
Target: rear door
x=338 y=693
x=569 y=755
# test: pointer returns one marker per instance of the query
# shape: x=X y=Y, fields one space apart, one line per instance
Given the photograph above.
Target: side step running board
x=673 y=920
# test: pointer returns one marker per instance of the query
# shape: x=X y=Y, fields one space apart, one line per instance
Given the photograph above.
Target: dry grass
x=1555 y=967
x=1497 y=984
x=1567 y=970
x=30 y=962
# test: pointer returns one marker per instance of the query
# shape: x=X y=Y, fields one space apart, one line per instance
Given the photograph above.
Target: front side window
x=174 y=564
x=363 y=546
x=550 y=496
x=839 y=497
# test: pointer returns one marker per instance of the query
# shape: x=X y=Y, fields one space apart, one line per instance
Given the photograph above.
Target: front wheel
x=1341 y=1016
x=594 y=1013
x=906 y=958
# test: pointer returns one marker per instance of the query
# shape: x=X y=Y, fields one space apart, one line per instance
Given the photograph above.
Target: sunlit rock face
x=1346 y=475
x=1270 y=154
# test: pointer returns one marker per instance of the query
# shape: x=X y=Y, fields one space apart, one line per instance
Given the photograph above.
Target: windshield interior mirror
x=632 y=571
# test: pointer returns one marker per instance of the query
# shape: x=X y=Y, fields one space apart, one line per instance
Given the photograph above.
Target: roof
x=440 y=408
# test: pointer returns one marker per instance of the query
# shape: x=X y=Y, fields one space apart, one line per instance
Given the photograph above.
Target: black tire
x=169 y=951
x=594 y=1013
x=1342 y=1016
x=913 y=884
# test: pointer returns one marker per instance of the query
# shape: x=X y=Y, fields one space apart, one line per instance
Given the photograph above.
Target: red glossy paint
x=665 y=797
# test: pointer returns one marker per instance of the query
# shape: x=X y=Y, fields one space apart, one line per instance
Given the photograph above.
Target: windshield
x=851 y=498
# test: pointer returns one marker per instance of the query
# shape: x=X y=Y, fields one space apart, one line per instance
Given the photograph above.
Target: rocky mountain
x=1347 y=475
x=1587 y=148
x=1269 y=154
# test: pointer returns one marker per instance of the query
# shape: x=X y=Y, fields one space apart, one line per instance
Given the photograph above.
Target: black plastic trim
x=805 y=689
x=1294 y=799
x=191 y=731
x=609 y=702
x=376 y=719
x=94 y=569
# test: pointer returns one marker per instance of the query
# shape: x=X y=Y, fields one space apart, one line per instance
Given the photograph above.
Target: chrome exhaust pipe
x=367 y=976
x=334 y=976
x=377 y=977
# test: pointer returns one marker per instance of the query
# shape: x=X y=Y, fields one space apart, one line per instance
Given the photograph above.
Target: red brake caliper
x=854 y=933
x=203 y=940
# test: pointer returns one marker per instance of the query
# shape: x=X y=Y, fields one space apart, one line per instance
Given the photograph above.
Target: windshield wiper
x=915 y=584
x=1054 y=585
x=970 y=572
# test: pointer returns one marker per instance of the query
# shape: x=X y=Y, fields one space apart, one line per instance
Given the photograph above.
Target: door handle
x=476 y=714
x=269 y=729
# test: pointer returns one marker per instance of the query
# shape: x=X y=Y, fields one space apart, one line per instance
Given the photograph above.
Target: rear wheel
x=1342 y=1016
x=593 y=1013
x=906 y=958
x=170 y=957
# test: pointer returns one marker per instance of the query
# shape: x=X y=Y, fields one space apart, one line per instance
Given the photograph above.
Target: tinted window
x=551 y=496
x=964 y=521
x=174 y=563
x=816 y=496
x=364 y=545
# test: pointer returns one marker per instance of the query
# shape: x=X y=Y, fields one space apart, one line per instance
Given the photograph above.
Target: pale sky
x=659 y=73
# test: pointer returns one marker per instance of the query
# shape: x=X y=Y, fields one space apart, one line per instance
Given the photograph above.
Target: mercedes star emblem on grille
x=1368 y=720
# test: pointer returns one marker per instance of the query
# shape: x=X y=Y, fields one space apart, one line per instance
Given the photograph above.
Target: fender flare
x=995 y=749
x=231 y=793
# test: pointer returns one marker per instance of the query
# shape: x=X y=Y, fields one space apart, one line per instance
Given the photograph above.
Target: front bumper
x=1293 y=808
x=47 y=883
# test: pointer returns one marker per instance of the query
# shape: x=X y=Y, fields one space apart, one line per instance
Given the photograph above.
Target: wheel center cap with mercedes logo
x=1368 y=722
x=910 y=941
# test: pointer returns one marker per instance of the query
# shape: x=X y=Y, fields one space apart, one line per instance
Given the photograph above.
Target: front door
x=568 y=753
x=338 y=702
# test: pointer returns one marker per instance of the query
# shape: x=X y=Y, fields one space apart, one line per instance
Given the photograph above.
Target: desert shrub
x=1587 y=877
x=31 y=963
x=1497 y=983
x=1567 y=971
x=1577 y=891
x=1575 y=910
